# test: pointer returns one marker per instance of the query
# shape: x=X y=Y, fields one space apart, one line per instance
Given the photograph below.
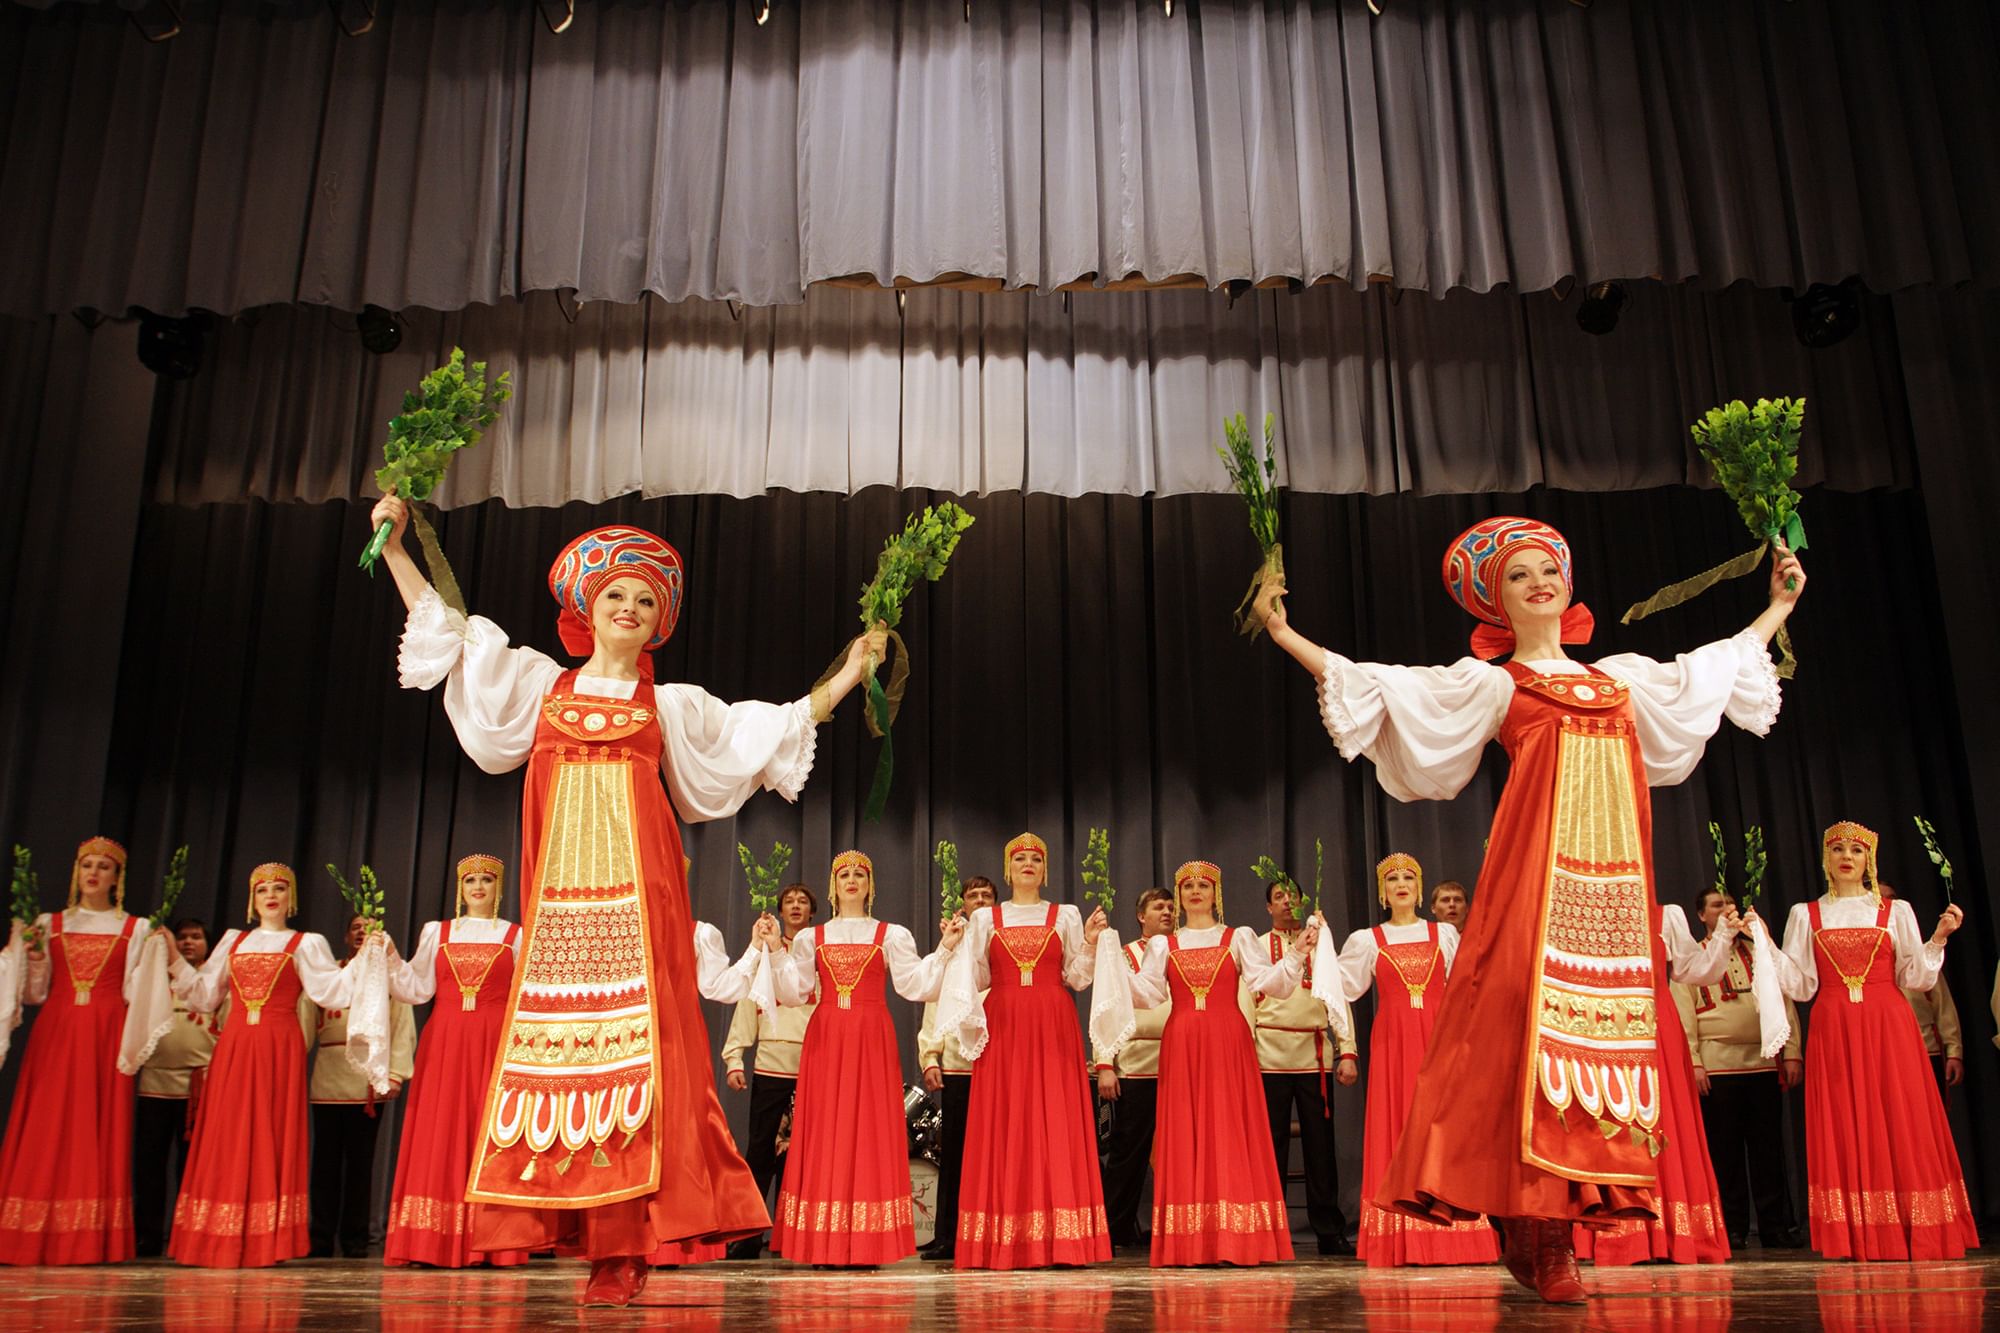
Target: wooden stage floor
x=359 y=1297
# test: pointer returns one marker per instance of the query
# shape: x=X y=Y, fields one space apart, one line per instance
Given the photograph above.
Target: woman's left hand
x=872 y=645
x=1788 y=576
x=1952 y=918
x=1310 y=935
x=952 y=931
x=1095 y=927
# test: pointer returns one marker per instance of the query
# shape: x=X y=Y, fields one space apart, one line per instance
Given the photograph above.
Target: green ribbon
x=1688 y=589
x=885 y=761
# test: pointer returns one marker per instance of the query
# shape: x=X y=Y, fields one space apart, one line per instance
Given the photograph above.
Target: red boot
x=1522 y=1235
x=1556 y=1278
x=614 y=1281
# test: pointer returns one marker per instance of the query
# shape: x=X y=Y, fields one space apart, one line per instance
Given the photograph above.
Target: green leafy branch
x=767 y=878
x=27 y=896
x=1096 y=869
x=951 y=889
x=171 y=888
x=448 y=411
x=1256 y=480
x=1935 y=852
x=363 y=899
x=1754 y=453
x=1304 y=904
x=1754 y=865
x=1721 y=858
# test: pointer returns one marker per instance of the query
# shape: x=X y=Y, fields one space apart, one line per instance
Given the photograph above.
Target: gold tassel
x=562 y=1167
x=598 y=1158
x=630 y=1134
x=529 y=1173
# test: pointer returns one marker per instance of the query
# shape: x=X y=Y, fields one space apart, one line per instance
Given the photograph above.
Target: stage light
x=171 y=348
x=1598 y=312
x=1825 y=314
x=381 y=331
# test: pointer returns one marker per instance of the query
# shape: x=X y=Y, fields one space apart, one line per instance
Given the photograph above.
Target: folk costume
x=1516 y=1114
x=1297 y=1051
x=66 y=1165
x=778 y=1037
x=846 y=1194
x=243 y=1200
x=1217 y=1194
x=1407 y=967
x=468 y=965
x=346 y=1123
x=1882 y=1174
x=616 y=1144
x=1128 y=1150
x=1030 y=1195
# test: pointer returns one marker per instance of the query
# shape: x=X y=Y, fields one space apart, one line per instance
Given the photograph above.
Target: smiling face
x=1532 y=591
x=626 y=614
x=1401 y=887
x=1027 y=869
x=1847 y=864
x=481 y=891
x=96 y=876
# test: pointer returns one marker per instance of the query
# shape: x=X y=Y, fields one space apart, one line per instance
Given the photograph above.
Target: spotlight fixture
x=171 y=348
x=1825 y=314
x=381 y=332
x=1597 y=313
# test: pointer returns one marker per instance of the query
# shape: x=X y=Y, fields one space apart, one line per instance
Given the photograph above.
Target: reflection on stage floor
x=357 y=1297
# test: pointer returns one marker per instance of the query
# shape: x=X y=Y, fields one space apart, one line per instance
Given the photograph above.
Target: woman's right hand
x=1269 y=606
x=392 y=510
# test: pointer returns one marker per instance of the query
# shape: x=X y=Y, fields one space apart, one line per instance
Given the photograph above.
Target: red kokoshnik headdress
x=1474 y=564
x=596 y=558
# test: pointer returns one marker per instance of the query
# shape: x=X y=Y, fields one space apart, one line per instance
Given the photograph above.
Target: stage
x=1789 y=1290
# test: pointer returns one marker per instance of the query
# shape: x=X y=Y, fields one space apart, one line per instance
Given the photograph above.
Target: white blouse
x=1426 y=727
x=1918 y=961
x=329 y=984
x=413 y=980
x=1356 y=962
x=81 y=921
x=1150 y=986
x=717 y=754
x=915 y=977
x=1689 y=963
x=722 y=981
x=962 y=1004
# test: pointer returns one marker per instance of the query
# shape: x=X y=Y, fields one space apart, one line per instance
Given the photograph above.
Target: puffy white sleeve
x=1679 y=704
x=1688 y=963
x=204 y=991
x=1918 y=961
x=413 y=980
x=1079 y=962
x=1149 y=984
x=1329 y=985
x=37 y=971
x=1798 y=974
x=492 y=692
x=795 y=971
x=1424 y=727
x=327 y=982
x=716 y=977
x=961 y=1010
x=915 y=976
x=1260 y=974
x=1356 y=964
x=135 y=949
x=718 y=755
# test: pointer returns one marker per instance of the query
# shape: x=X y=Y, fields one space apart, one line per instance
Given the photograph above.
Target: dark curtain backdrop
x=1075 y=668
x=461 y=153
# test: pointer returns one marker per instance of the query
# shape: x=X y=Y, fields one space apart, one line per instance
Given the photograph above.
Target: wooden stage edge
x=356 y=1296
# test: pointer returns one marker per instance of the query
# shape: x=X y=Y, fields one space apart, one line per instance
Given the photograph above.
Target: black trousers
x=343 y=1177
x=1126 y=1153
x=1283 y=1094
x=957 y=1098
x=1744 y=1115
x=158 y=1144
x=770 y=1098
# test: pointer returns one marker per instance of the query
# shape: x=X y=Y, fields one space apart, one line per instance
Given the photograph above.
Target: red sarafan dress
x=243 y=1200
x=66 y=1168
x=846 y=1194
x=1409 y=980
x=1030 y=1195
x=1217 y=1198
x=471 y=979
x=1689 y=1228
x=1882 y=1174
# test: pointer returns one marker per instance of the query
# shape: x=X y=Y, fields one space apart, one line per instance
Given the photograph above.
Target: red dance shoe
x=1523 y=1237
x=614 y=1281
x=1556 y=1278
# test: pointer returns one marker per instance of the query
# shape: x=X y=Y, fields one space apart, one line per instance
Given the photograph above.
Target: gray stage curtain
x=460 y=153
x=1105 y=392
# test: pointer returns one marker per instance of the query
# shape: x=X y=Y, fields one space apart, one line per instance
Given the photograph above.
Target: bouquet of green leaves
x=449 y=410
x=917 y=554
x=1096 y=870
x=1754 y=454
x=1256 y=480
x=363 y=899
x=1303 y=904
x=1935 y=852
x=1754 y=863
x=1721 y=858
x=951 y=889
x=27 y=896
x=170 y=888
x=767 y=879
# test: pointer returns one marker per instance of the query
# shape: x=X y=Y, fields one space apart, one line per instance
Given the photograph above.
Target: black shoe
x=1789 y=1239
x=1738 y=1239
x=1336 y=1247
x=940 y=1251
x=752 y=1248
x=320 y=1252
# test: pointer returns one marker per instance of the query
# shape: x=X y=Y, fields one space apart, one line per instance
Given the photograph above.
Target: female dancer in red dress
x=1689 y=1228
x=1407 y=961
x=613 y=1146
x=469 y=960
x=66 y=1167
x=846 y=1195
x=1217 y=1198
x=1030 y=1195
x=1523 y=1111
x=243 y=1197
x=1882 y=1174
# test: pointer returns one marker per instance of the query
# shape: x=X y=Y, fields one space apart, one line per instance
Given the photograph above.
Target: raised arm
x=1270 y=605
x=413 y=980
x=203 y=991
x=410 y=581
x=1263 y=976
x=1785 y=570
x=915 y=976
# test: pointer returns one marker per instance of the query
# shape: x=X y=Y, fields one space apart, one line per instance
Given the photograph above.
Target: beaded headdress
x=477 y=863
x=264 y=874
x=98 y=846
x=1396 y=861
x=1847 y=830
x=842 y=862
x=1190 y=869
x=1015 y=844
x=599 y=556
x=1473 y=568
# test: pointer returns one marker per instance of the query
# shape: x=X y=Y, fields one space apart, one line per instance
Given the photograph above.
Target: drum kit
x=923 y=1116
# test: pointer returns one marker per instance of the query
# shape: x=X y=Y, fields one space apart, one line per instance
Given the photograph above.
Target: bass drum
x=924 y=1199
